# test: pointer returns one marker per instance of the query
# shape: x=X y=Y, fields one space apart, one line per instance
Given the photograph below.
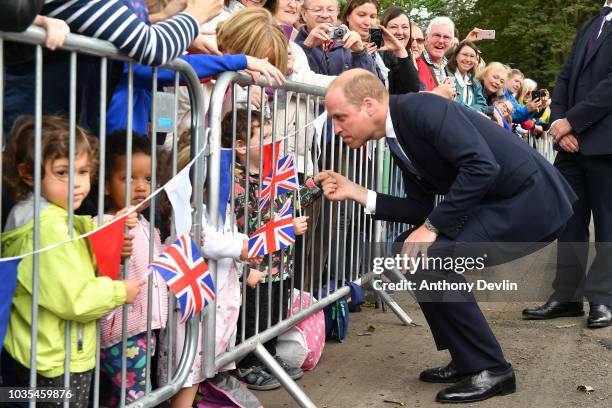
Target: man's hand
x=318 y=35
x=353 y=41
x=338 y=188
x=446 y=89
x=560 y=128
x=569 y=143
x=300 y=225
x=418 y=242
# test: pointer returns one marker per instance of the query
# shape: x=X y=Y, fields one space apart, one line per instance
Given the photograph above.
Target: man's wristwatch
x=431 y=227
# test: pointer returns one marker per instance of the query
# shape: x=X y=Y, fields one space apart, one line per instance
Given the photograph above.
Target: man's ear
x=25 y=172
x=369 y=106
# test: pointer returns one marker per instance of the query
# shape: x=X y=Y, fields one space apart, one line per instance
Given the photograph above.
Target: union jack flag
x=282 y=180
x=275 y=235
x=183 y=268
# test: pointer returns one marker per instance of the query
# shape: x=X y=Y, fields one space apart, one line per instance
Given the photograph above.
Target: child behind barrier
x=229 y=249
x=111 y=325
x=250 y=369
x=68 y=289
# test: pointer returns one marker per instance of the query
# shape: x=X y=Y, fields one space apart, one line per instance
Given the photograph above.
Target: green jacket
x=68 y=290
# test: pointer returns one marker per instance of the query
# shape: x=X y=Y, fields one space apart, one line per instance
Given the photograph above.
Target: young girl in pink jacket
x=111 y=332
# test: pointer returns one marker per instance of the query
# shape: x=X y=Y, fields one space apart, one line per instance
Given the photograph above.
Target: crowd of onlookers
x=307 y=41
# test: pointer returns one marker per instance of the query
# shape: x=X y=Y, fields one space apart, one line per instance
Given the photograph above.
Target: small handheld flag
x=106 y=244
x=277 y=234
x=282 y=180
x=183 y=268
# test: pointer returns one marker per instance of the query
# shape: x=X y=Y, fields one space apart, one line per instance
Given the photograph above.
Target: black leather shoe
x=599 y=316
x=553 y=309
x=446 y=374
x=479 y=387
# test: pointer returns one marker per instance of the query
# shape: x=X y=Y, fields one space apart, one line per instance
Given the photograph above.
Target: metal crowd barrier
x=74 y=45
x=336 y=247
x=544 y=145
x=337 y=234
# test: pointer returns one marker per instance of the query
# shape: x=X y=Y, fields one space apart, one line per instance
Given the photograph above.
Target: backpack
x=336 y=316
x=336 y=320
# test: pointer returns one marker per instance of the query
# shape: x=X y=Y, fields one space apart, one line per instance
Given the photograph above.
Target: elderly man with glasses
x=328 y=55
x=438 y=40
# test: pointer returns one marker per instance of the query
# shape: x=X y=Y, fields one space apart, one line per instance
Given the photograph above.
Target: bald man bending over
x=497 y=190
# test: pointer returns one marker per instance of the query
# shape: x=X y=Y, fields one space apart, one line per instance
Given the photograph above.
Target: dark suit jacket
x=583 y=93
x=486 y=174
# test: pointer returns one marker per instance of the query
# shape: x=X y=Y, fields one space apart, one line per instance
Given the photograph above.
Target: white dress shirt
x=370 y=207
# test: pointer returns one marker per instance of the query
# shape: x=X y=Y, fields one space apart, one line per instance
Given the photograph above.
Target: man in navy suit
x=582 y=115
x=497 y=189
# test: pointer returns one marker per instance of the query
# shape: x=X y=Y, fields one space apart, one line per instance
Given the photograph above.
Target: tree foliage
x=534 y=36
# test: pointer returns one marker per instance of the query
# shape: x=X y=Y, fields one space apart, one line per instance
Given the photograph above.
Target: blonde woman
x=493 y=78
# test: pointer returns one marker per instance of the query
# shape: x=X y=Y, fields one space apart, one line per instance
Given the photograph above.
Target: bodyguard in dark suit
x=497 y=189
x=582 y=115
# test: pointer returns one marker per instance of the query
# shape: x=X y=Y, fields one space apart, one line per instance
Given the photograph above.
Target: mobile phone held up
x=486 y=35
x=536 y=94
x=376 y=37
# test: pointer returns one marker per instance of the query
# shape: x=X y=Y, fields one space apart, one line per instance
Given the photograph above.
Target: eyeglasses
x=470 y=56
x=419 y=41
x=439 y=37
x=318 y=11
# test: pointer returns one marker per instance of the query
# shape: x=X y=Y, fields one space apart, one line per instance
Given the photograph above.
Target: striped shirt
x=112 y=21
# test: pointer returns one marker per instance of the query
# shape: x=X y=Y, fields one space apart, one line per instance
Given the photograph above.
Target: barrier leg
x=399 y=312
x=276 y=370
x=385 y=298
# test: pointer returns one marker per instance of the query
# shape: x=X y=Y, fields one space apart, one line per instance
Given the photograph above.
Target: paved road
x=550 y=359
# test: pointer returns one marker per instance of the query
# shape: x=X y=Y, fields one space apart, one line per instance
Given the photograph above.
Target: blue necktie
x=400 y=156
x=596 y=28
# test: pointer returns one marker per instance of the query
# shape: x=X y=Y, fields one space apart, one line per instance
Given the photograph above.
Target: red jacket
x=426 y=75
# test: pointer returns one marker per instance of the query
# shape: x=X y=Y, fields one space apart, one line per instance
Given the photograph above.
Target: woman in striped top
x=106 y=20
x=111 y=20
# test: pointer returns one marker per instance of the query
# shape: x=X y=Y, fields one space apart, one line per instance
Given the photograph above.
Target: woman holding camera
x=361 y=16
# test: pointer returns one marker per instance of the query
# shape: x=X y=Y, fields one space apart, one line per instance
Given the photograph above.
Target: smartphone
x=376 y=37
x=486 y=35
x=536 y=94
